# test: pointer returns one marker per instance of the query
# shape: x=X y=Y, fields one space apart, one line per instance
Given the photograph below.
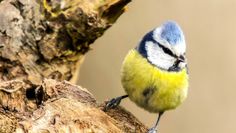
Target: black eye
x=166 y=50
x=181 y=57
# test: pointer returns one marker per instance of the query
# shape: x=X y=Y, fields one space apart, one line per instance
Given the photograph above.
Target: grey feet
x=152 y=130
x=113 y=103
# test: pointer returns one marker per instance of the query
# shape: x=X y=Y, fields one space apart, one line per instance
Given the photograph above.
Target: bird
x=154 y=74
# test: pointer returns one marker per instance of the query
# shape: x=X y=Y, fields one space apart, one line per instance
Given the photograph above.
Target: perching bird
x=154 y=74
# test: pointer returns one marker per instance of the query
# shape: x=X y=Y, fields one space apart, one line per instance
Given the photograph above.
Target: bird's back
x=151 y=88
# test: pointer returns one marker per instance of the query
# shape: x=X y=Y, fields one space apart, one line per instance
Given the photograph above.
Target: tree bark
x=42 y=44
x=48 y=38
x=59 y=107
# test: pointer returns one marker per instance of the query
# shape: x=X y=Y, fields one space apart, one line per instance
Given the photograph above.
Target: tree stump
x=42 y=44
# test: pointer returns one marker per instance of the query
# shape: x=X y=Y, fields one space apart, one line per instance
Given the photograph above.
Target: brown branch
x=48 y=38
x=42 y=40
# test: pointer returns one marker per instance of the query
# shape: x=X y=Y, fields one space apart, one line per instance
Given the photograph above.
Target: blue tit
x=154 y=74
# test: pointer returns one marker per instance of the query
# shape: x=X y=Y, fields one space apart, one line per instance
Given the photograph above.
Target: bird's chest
x=152 y=88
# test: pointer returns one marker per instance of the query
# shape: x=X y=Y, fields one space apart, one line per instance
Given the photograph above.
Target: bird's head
x=164 y=47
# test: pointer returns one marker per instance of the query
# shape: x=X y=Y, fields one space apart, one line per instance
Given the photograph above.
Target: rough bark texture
x=42 y=43
x=63 y=108
x=48 y=38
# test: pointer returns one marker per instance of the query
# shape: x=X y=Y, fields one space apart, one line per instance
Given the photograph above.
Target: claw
x=113 y=103
x=152 y=130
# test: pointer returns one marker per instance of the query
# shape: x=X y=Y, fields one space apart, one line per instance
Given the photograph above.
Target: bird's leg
x=114 y=102
x=153 y=129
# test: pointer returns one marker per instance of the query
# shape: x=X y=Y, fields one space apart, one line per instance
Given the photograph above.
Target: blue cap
x=171 y=32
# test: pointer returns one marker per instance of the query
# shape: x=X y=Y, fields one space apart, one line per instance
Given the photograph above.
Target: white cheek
x=157 y=57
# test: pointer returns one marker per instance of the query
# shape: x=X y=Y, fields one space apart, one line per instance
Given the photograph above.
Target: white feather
x=158 y=57
x=178 y=49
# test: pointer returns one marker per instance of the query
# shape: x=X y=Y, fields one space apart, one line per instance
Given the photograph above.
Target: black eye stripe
x=166 y=50
x=149 y=37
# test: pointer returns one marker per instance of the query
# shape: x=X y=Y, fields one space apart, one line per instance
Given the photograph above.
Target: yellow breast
x=151 y=88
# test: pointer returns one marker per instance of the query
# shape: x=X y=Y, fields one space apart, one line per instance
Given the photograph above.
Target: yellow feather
x=151 y=88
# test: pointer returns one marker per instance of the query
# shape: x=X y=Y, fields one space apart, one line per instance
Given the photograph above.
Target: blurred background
x=210 y=31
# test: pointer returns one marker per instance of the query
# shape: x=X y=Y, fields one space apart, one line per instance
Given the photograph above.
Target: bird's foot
x=152 y=130
x=113 y=103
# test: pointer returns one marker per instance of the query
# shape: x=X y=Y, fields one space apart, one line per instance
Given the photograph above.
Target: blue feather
x=171 y=32
x=141 y=47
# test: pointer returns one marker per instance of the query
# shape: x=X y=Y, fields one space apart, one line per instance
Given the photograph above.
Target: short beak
x=181 y=58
